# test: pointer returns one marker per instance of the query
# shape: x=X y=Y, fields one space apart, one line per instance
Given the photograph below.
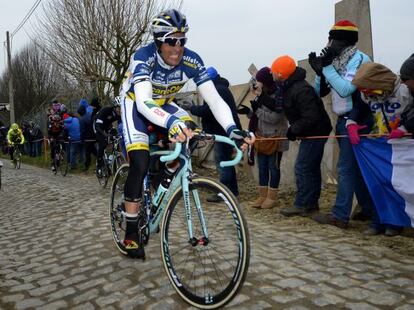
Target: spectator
x=335 y=69
x=26 y=150
x=72 y=126
x=407 y=77
x=36 y=136
x=90 y=138
x=387 y=97
x=271 y=123
x=83 y=121
x=307 y=117
x=222 y=151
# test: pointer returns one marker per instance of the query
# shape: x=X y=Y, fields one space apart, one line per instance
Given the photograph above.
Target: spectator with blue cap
x=222 y=151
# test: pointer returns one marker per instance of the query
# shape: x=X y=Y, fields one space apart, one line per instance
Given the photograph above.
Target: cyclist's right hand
x=179 y=132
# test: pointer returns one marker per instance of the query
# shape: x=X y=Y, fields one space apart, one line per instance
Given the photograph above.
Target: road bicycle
x=17 y=156
x=205 y=247
x=112 y=160
x=60 y=161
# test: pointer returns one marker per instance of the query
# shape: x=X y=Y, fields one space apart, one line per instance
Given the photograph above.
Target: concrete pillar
x=358 y=12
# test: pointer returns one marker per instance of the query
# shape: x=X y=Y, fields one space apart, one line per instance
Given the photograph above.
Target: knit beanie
x=344 y=30
x=283 y=67
x=373 y=75
x=265 y=76
x=407 y=69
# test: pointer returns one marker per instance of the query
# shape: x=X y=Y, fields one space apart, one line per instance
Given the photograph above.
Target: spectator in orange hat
x=307 y=117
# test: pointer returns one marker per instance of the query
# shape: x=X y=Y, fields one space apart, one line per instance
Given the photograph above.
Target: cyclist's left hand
x=243 y=137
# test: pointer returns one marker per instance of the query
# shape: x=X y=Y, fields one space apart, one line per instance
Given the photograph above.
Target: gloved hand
x=397 y=134
x=290 y=135
x=177 y=132
x=238 y=136
x=316 y=63
x=327 y=56
x=353 y=133
x=186 y=105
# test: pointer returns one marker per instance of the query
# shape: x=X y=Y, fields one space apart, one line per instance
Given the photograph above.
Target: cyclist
x=103 y=129
x=15 y=138
x=55 y=130
x=158 y=71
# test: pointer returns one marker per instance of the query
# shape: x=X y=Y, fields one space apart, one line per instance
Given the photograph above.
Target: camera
x=253 y=83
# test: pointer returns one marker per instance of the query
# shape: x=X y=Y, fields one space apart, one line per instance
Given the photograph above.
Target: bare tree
x=93 y=40
x=37 y=80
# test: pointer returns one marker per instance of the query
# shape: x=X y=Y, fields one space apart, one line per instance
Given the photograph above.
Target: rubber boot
x=270 y=201
x=262 y=197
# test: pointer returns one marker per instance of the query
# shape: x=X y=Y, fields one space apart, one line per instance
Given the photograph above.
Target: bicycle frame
x=183 y=178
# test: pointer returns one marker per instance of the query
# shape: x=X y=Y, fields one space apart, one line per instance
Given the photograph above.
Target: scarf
x=340 y=62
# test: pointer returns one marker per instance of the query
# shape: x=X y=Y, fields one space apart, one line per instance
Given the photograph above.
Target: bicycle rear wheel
x=207 y=273
x=63 y=163
x=117 y=208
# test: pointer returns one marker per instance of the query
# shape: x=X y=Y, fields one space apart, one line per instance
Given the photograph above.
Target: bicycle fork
x=187 y=204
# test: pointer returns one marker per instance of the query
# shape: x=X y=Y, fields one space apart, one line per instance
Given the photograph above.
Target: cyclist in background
x=55 y=129
x=157 y=71
x=15 y=138
x=103 y=129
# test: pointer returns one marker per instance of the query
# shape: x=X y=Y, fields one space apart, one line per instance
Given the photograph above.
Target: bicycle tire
x=116 y=208
x=103 y=180
x=17 y=159
x=64 y=164
x=204 y=269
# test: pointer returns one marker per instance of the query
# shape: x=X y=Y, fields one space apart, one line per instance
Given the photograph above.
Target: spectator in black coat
x=222 y=151
x=307 y=117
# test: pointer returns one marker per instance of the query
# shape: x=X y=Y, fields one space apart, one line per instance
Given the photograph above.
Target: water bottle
x=110 y=160
x=167 y=177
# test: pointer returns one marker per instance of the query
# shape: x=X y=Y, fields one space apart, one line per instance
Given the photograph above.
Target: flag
x=388 y=170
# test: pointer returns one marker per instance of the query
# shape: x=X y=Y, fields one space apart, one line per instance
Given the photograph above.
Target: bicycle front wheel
x=17 y=159
x=117 y=208
x=206 y=273
x=63 y=163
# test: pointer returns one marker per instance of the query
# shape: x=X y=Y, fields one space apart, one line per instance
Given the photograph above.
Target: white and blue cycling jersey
x=148 y=94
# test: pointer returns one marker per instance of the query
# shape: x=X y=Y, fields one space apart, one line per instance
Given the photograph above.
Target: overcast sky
x=232 y=34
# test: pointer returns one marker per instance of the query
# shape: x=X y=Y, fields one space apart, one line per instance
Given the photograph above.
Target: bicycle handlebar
x=174 y=154
x=178 y=146
x=239 y=153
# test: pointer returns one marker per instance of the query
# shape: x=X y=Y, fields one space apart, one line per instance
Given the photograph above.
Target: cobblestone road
x=56 y=252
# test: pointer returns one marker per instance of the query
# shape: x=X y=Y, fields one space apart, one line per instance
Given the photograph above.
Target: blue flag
x=388 y=170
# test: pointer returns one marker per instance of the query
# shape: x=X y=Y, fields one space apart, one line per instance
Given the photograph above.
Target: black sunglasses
x=171 y=41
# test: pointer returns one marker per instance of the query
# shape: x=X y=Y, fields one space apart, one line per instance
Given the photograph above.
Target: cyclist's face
x=172 y=55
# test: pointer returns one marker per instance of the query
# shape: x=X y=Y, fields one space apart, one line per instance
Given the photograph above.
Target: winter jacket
x=341 y=86
x=387 y=111
x=271 y=122
x=72 y=126
x=208 y=121
x=104 y=119
x=88 y=109
x=303 y=108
